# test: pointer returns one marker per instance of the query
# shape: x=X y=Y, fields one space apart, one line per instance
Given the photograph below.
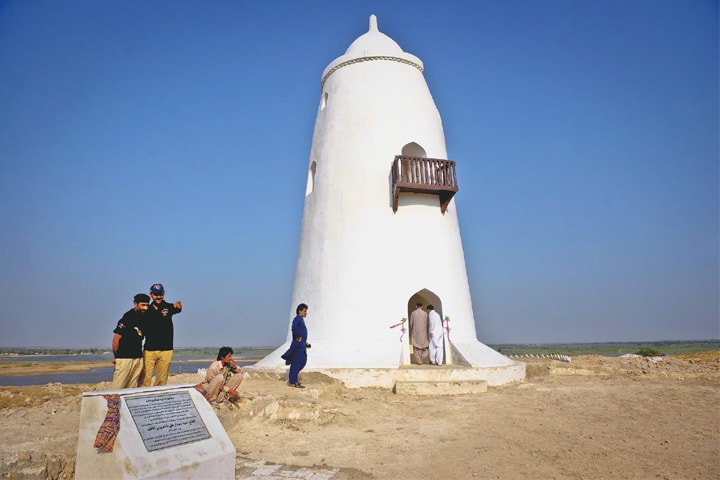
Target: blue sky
x=167 y=141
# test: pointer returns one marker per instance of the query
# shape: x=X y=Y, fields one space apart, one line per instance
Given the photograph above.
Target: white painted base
x=387 y=377
x=377 y=364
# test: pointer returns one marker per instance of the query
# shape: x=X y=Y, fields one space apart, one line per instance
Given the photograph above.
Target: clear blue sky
x=168 y=141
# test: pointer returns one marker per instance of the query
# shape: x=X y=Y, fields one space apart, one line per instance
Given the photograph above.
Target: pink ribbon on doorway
x=446 y=323
x=402 y=333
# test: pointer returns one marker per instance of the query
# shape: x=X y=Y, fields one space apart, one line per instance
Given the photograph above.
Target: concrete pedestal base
x=388 y=377
x=168 y=432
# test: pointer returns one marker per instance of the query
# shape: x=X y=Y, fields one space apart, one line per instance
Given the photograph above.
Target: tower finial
x=373 y=23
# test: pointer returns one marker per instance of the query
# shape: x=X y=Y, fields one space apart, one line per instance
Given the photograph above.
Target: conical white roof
x=370 y=46
x=373 y=42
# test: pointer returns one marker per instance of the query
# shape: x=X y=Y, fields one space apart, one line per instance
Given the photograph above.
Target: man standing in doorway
x=127 y=344
x=419 y=333
x=435 y=332
x=158 y=337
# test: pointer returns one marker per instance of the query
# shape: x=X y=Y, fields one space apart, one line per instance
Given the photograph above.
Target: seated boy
x=223 y=377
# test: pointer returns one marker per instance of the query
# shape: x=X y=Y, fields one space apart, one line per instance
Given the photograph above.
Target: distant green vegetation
x=605 y=349
x=179 y=353
x=648 y=352
x=211 y=352
x=608 y=349
x=52 y=351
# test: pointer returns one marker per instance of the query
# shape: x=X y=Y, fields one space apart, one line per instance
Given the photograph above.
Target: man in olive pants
x=159 y=333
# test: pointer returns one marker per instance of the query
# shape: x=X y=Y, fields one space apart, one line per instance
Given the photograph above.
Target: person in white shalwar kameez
x=435 y=334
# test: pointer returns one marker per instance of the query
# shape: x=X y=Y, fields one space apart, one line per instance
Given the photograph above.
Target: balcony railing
x=424 y=175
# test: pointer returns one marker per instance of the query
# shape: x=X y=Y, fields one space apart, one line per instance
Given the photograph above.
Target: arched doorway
x=412 y=149
x=426 y=297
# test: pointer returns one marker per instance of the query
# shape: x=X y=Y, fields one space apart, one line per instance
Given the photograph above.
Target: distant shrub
x=648 y=352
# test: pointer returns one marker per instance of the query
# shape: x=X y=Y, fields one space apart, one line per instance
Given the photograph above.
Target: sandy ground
x=593 y=418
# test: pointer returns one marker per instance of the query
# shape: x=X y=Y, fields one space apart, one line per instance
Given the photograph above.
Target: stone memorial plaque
x=166 y=420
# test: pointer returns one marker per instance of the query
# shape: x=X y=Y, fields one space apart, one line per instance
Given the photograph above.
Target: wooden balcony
x=424 y=175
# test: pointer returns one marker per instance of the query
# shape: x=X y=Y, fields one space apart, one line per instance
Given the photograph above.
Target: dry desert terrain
x=593 y=418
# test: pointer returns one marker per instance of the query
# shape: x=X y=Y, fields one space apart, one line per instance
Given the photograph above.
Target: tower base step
x=440 y=387
x=388 y=377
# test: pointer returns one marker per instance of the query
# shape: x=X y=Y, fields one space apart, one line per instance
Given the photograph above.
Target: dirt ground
x=594 y=418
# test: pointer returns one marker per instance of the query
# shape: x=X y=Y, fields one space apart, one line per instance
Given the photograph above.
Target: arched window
x=311 y=179
x=323 y=101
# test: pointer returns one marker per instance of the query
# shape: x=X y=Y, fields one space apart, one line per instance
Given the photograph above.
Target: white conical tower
x=379 y=228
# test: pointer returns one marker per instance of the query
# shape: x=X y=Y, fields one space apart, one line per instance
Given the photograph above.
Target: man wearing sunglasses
x=158 y=337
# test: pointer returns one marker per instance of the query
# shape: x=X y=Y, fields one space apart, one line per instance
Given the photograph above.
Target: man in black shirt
x=127 y=344
x=158 y=337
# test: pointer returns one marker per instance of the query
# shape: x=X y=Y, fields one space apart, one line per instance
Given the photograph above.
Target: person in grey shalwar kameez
x=419 y=333
x=223 y=377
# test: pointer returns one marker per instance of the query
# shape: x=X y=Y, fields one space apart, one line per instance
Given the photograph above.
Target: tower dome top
x=371 y=46
x=374 y=42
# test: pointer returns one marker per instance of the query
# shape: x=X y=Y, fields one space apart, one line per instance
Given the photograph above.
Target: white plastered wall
x=359 y=262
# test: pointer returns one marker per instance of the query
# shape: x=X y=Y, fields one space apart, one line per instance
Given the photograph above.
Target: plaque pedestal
x=167 y=432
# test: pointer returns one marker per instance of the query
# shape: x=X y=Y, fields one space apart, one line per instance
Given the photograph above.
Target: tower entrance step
x=440 y=387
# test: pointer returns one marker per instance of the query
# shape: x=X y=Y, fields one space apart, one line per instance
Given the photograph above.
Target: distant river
x=96 y=375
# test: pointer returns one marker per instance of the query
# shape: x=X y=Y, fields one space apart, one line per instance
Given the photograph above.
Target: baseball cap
x=157 y=289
